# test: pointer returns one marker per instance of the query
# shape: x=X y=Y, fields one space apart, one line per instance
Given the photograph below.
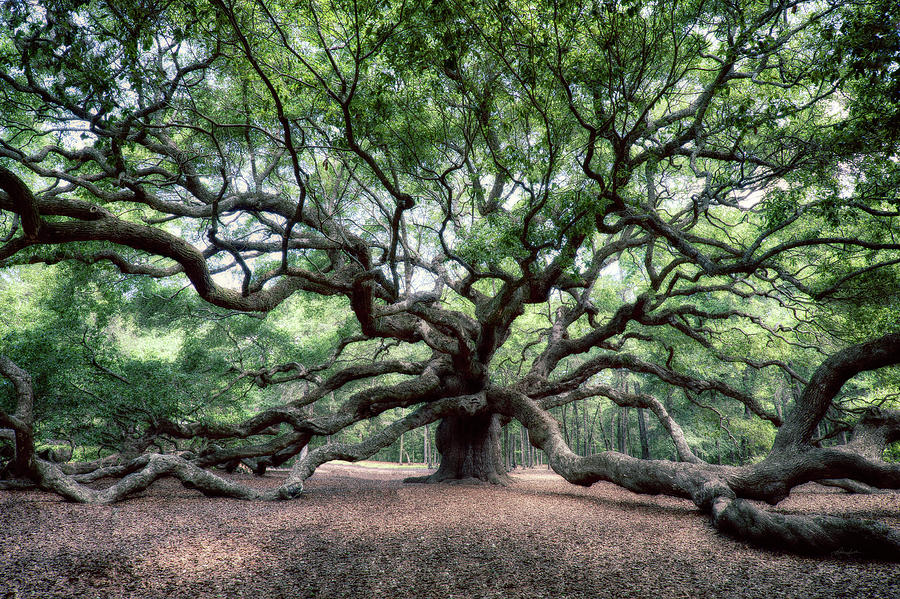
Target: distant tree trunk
x=745 y=447
x=522 y=447
x=623 y=430
x=523 y=439
x=779 y=401
x=506 y=447
x=470 y=450
x=613 y=427
x=607 y=443
x=400 y=453
x=522 y=459
x=584 y=430
x=513 y=462
x=530 y=450
x=426 y=446
x=576 y=426
x=645 y=437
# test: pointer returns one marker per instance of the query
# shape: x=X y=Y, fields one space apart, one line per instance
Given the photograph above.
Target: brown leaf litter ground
x=361 y=532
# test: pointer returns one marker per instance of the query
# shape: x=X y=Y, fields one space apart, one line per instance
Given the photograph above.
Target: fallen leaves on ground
x=362 y=532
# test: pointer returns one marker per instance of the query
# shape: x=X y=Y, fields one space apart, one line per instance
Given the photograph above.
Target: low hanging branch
x=827 y=381
x=631 y=400
x=719 y=489
x=140 y=472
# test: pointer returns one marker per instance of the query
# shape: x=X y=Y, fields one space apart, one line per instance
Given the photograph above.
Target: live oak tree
x=516 y=201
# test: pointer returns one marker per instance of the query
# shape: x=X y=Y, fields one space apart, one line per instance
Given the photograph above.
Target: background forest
x=110 y=354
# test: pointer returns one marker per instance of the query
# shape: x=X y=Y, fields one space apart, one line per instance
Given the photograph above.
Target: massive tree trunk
x=21 y=421
x=470 y=450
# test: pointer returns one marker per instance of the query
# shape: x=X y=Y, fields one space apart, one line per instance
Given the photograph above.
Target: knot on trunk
x=875 y=430
x=710 y=491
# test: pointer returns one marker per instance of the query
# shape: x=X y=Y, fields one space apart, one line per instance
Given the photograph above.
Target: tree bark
x=22 y=420
x=827 y=381
x=470 y=451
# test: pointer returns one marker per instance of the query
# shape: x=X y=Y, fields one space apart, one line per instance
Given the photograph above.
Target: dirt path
x=362 y=533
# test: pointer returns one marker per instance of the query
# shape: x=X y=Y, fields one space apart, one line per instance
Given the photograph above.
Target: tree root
x=805 y=534
x=147 y=469
x=500 y=479
x=851 y=486
x=715 y=489
x=17 y=484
